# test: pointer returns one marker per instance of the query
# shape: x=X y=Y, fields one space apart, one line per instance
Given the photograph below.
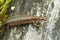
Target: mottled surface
x=48 y=30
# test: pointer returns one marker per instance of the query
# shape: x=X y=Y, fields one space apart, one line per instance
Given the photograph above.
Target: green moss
x=4 y=8
x=5 y=4
x=2 y=1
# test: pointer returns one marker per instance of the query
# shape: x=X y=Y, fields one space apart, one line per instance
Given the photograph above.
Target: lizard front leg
x=36 y=23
